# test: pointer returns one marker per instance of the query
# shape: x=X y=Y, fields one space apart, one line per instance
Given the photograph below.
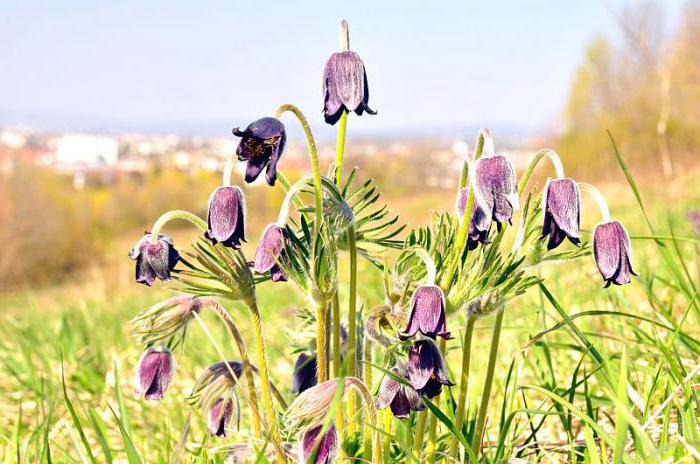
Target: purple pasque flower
x=427 y=313
x=611 y=248
x=496 y=191
x=344 y=86
x=304 y=375
x=402 y=399
x=270 y=251
x=325 y=447
x=479 y=222
x=261 y=145
x=426 y=369
x=226 y=217
x=154 y=260
x=154 y=373
x=561 y=205
x=219 y=417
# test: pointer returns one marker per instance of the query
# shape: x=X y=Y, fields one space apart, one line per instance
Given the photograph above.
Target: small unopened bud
x=337 y=214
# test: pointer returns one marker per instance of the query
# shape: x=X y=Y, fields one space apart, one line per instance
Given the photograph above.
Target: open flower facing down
x=219 y=417
x=261 y=145
x=269 y=251
x=154 y=259
x=344 y=86
x=611 y=247
x=479 y=222
x=496 y=190
x=226 y=217
x=326 y=446
x=427 y=313
x=561 y=205
x=154 y=373
x=304 y=375
x=402 y=399
x=426 y=370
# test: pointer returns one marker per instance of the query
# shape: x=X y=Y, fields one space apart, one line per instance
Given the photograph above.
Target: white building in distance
x=90 y=150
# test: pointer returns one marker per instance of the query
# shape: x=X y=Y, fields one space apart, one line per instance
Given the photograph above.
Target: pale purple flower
x=154 y=260
x=344 y=86
x=226 y=217
x=561 y=205
x=426 y=369
x=219 y=417
x=325 y=447
x=402 y=399
x=261 y=145
x=154 y=373
x=496 y=190
x=427 y=313
x=270 y=251
x=611 y=247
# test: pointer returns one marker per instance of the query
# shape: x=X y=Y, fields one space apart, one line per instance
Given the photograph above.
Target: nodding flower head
x=561 y=205
x=270 y=251
x=611 y=247
x=496 y=190
x=402 y=399
x=219 y=417
x=426 y=370
x=261 y=144
x=323 y=448
x=154 y=373
x=479 y=222
x=226 y=217
x=304 y=375
x=344 y=86
x=154 y=260
x=165 y=319
x=427 y=313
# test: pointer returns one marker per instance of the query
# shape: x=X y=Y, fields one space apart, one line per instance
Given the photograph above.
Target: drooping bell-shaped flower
x=261 y=145
x=479 y=222
x=611 y=248
x=426 y=369
x=226 y=217
x=154 y=373
x=322 y=448
x=304 y=375
x=219 y=417
x=154 y=260
x=427 y=313
x=344 y=86
x=561 y=205
x=270 y=251
x=402 y=399
x=496 y=189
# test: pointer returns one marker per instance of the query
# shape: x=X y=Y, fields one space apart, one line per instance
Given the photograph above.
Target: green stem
x=488 y=383
x=463 y=383
x=340 y=148
x=335 y=308
x=432 y=427
x=175 y=214
x=552 y=155
x=321 y=342
x=352 y=327
x=388 y=421
x=265 y=377
x=367 y=378
x=420 y=432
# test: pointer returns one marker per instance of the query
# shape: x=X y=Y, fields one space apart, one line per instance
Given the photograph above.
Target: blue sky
x=431 y=65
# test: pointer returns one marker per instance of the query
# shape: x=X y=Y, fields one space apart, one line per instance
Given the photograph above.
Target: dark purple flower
x=344 y=86
x=262 y=144
x=325 y=447
x=226 y=217
x=427 y=313
x=401 y=398
x=154 y=259
x=611 y=247
x=561 y=205
x=270 y=251
x=479 y=222
x=426 y=370
x=304 y=375
x=219 y=417
x=496 y=189
x=154 y=373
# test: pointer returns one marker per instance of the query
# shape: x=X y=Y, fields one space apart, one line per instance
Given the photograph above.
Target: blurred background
x=112 y=113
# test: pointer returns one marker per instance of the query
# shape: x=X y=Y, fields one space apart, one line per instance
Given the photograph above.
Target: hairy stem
x=321 y=342
x=340 y=148
x=420 y=431
x=463 y=384
x=598 y=198
x=175 y=214
x=546 y=152
x=352 y=327
x=388 y=421
x=367 y=377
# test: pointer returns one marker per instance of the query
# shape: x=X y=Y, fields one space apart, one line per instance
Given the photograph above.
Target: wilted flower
x=226 y=217
x=304 y=375
x=561 y=205
x=611 y=247
x=262 y=144
x=154 y=373
x=326 y=446
x=344 y=86
x=270 y=250
x=219 y=417
x=154 y=259
x=164 y=319
x=427 y=313
x=496 y=190
x=401 y=398
x=426 y=370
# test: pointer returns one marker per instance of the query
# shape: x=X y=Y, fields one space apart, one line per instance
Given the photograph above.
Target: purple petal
x=562 y=202
x=495 y=186
x=226 y=217
x=269 y=248
x=387 y=390
x=427 y=312
x=254 y=167
x=400 y=406
x=607 y=248
x=325 y=446
x=332 y=106
x=304 y=375
x=461 y=202
x=154 y=373
x=420 y=363
x=219 y=417
x=348 y=73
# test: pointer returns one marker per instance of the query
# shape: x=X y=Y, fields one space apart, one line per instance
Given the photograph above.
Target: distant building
x=87 y=150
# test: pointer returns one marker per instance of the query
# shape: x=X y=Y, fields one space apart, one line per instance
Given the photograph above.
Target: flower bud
x=427 y=313
x=344 y=86
x=402 y=399
x=226 y=217
x=304 y=375
x=219 y=417
x=611 y=248
x=426 y=370
x=337 y=214
x=154 y=373
x=262 y=144
x=325 y=447
x=561 y=205
x=154 y=259
x=269 y=251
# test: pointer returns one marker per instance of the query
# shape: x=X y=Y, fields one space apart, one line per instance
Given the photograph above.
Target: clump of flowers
x=457 y=267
